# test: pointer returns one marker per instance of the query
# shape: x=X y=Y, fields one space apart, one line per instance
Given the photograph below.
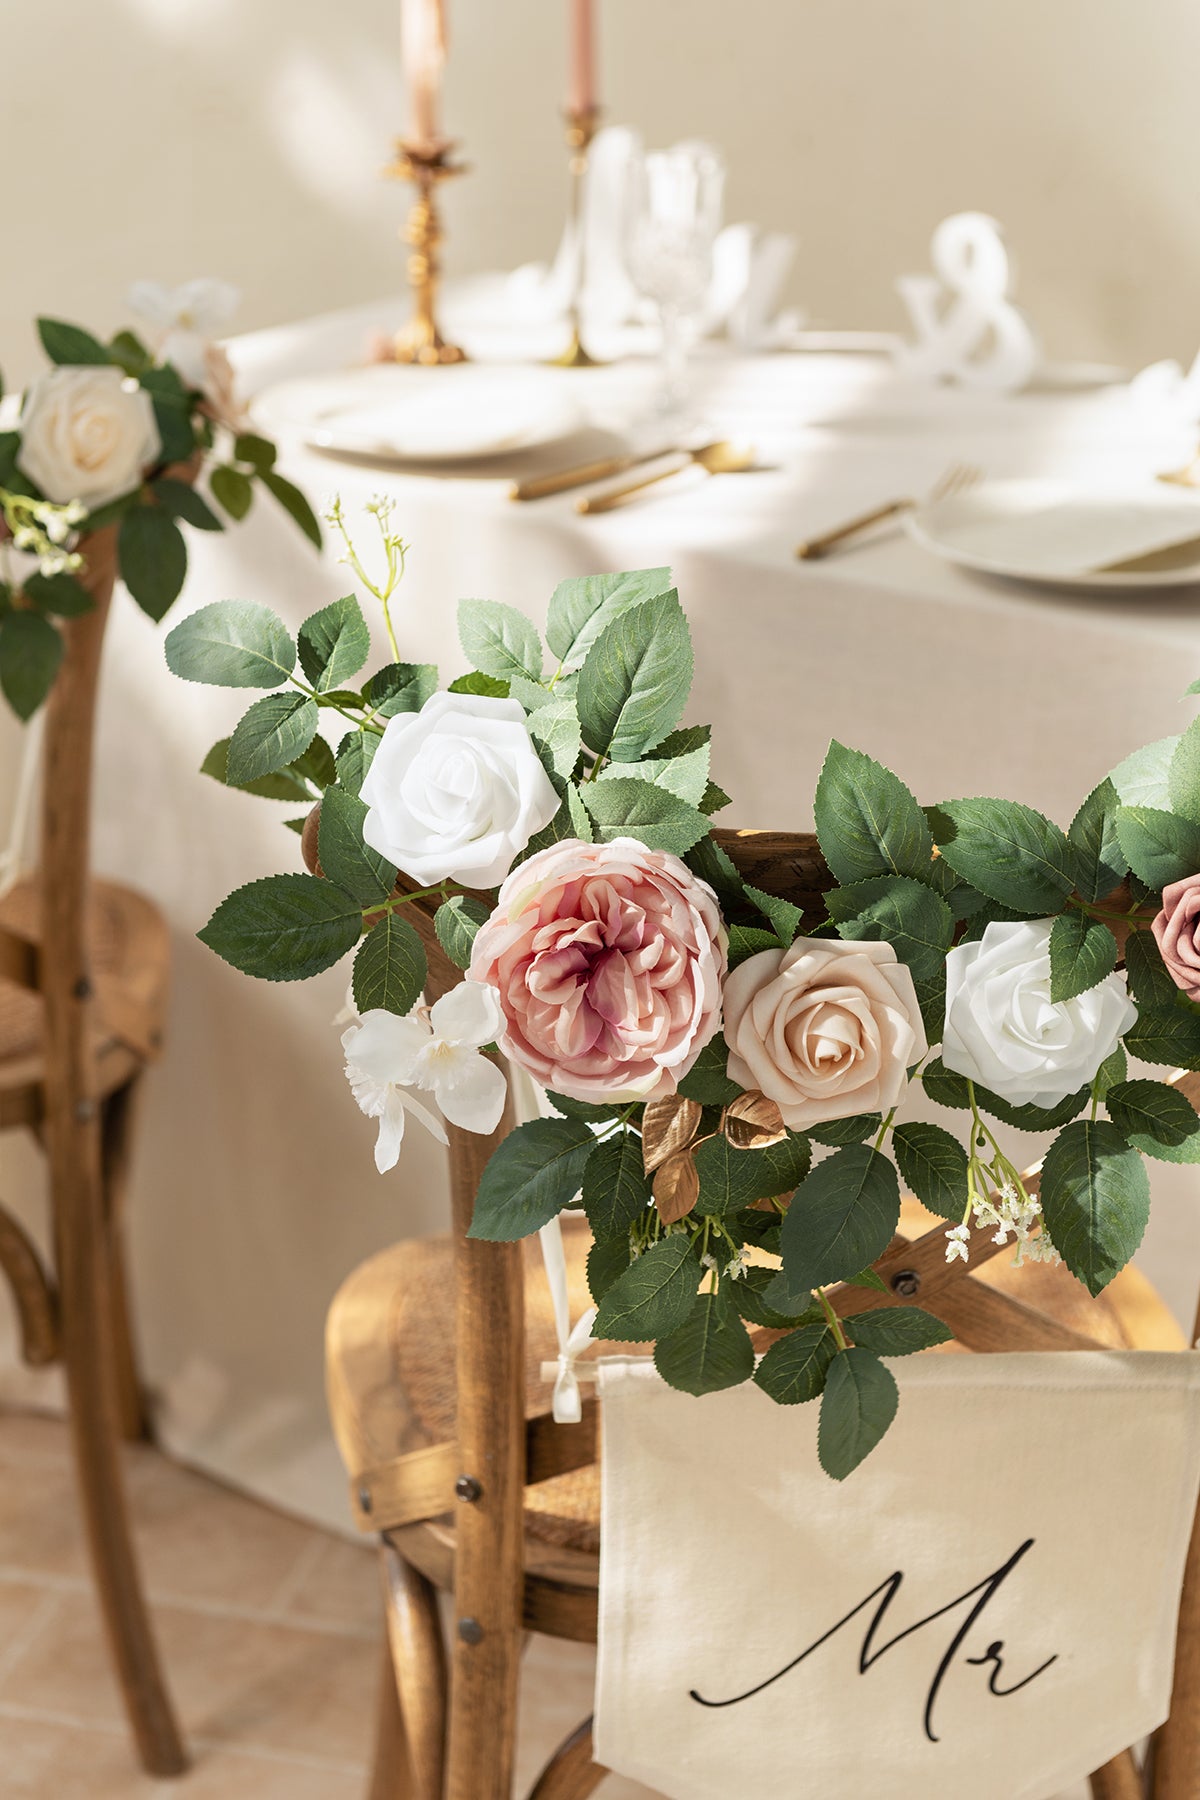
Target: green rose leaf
x=749 y=940
x=749 y=1294
x=934 y=1167
x=902 y=912
x=356 y=753
x=1143 y=779
x=1009 y=852
x=456 y=923
x=858 y=1405
x=897 y=1330
x=1112 y=1070
x=499 y=640
x=784 y=916
x=1100 y=861
x=1082 y=953
x=711 y=1350
x=530 y=1177
x=616 y=1189
x=59 y=594
x=259 y=452
x=401 y=687
x=851 y=1130
x=284 y=927
x=632 y=808
x=1030 y=1117
x=231 y=490
x=1095 y=1200
x=1167 y=1034
x=1160 y=846
x=390 y=969
x=555 y=732
x=607 y=1261
x=127 y=350
x=654 y=1296
x=944 y=1086
x=273 y=733
x=30 y=653
x=1149 y=980
x=867 y=821
x=181 y=500
x=478 y=683
x=1183 y=774
x=706 y=1080
x=685 y=776
x=594 y=1113
x=284 y=784
x=232 y=643
x=153 y=558
x=345 y=858
x=581 y=608
x=293 y=503
x=1152 y=1116
x=635 y=681
x=334 y=644
x=731 y=1179
x=795 y=1367
x=843 y=1217
x=317 y=764
x=65 y=343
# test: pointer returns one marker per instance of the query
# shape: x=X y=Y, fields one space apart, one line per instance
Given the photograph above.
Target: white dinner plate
x=401 y=414
x=1064 y=536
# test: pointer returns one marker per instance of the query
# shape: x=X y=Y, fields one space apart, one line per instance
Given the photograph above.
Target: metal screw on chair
x=470 y=1631
x=85 y=1110
x=467 y=1488
x=906 y=1283
x=83 y=988
x=365 y=1501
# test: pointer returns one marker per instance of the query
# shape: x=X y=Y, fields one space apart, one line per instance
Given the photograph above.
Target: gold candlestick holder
x=581 y=127
x=420 y=341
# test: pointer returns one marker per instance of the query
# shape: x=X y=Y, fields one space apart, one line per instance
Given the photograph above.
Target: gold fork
x=954 y=480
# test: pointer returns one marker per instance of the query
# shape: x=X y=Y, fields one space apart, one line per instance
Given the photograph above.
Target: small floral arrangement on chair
x=727 y=1076
x=117 y=434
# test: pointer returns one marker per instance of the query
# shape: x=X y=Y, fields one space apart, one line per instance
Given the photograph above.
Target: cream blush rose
x=826 y=1028
x=87 y=434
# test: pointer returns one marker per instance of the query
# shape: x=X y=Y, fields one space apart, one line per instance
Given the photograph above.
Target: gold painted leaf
x=751 y=1122
x=676 y=1187
x=668 y=1125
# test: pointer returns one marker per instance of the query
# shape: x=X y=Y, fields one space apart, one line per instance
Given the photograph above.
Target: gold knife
x=539 y=487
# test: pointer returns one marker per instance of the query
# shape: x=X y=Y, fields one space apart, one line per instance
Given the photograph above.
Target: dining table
x=255 y=1191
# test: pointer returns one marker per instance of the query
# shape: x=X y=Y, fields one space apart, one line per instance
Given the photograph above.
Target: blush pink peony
x=608 y=960
x=1177 y=930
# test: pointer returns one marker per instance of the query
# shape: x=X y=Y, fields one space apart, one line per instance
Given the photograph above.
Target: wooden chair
x=83 y=984
x=456 y=1464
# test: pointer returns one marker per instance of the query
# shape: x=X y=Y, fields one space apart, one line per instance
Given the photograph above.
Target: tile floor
x=269 y=1628
x=270 y=1631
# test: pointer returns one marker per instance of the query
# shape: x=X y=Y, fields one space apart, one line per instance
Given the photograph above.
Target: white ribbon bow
x=566 y=1402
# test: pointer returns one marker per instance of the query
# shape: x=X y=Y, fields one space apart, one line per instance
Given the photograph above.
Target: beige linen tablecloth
x=255 y=1190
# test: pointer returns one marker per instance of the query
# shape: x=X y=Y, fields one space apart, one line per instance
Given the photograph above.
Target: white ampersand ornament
x=979 y=339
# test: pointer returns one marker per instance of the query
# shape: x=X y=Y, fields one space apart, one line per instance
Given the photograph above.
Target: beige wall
x=244 y=137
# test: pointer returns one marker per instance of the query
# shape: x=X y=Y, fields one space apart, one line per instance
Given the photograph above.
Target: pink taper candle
x=423 y=46
x=581 y=86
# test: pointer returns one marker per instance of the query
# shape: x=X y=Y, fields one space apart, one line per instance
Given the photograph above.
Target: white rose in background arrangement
x=457 y=790
x=87 y=434
x=1004 y=1031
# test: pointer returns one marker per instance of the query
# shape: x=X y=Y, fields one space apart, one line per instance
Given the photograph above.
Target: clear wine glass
x=672 y=216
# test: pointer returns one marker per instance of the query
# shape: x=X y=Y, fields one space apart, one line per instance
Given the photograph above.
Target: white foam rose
x=87 y=434
x=1004 y=1031
x=456 y=791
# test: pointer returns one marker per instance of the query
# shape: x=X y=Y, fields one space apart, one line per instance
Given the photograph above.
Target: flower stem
x=835 y=1324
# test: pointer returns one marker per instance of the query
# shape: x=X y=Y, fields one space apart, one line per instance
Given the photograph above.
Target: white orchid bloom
x=435 y=1050
x=185 y=321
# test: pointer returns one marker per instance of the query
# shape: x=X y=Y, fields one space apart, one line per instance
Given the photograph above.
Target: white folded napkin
x=1064 y=532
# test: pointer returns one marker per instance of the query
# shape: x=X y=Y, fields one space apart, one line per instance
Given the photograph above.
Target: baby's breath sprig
x=998 y=1198
x=43 y=529
x=380 y=508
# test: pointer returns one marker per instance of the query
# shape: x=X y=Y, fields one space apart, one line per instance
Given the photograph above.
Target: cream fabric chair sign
x=986 y=1607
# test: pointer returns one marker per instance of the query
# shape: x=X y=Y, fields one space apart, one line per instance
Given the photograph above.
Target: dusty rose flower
x=1177 y=929
x=608 y=959
x=826 y=1029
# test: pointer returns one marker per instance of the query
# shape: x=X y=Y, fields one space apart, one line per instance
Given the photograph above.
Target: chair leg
x=87 y=1356
x=391 y=1776
x=418 y=1657
x=1119 y=1779
x=570 y=1774
x=120 y=1115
